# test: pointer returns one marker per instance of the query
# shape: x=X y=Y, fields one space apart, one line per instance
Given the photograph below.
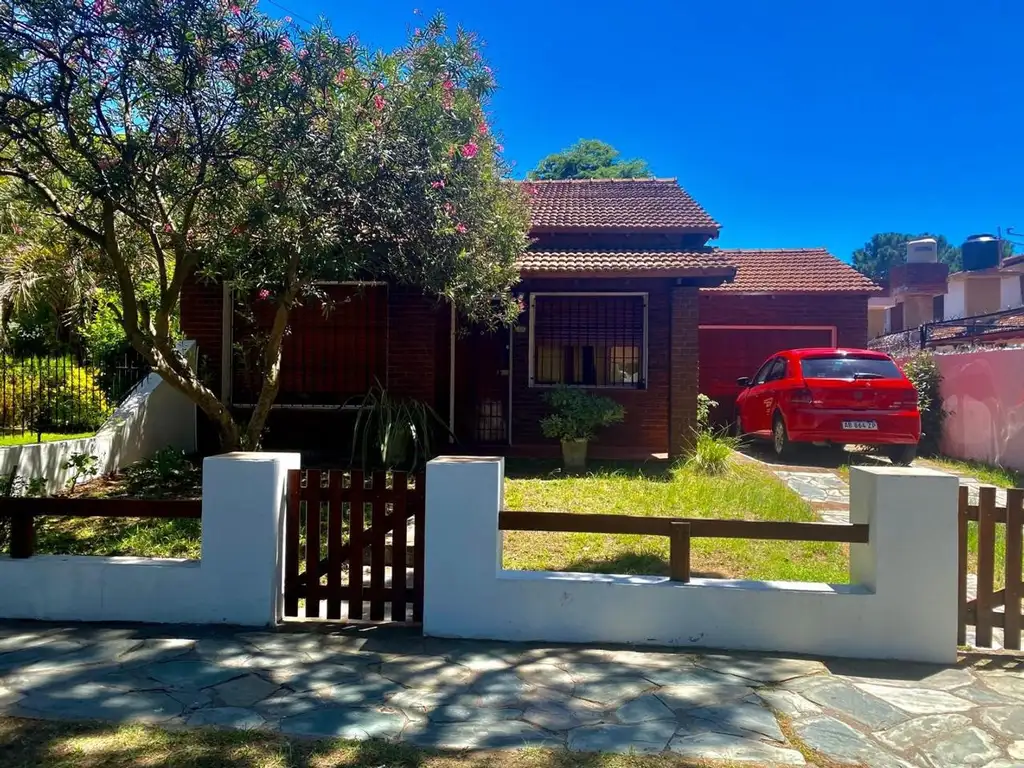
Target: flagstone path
x=392 y=684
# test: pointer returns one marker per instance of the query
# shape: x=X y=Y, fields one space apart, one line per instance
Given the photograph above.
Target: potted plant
x=577 y=415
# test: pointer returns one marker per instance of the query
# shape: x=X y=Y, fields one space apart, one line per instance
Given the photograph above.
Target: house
x=621 y=293
x=982 y=302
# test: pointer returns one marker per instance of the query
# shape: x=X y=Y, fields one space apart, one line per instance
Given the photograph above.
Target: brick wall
x=847 y=312
x=413 y=344
x=684 y=369
x=646 y=427
x=201 y=321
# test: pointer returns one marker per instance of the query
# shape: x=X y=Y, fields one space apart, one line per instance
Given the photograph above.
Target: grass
x=744 y=492
x=33 y=743
x=48 y=437
x=109 y=536
x=987 y=474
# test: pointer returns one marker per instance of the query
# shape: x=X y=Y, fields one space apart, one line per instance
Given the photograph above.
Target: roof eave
x=713 y=275
x=607 y=229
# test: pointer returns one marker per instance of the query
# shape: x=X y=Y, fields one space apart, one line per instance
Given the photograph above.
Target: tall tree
x=888 y=249
x=589 y=159
x=185 y=138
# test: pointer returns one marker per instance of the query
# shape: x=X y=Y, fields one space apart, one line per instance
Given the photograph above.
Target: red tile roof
x=624 y=205
x=649 y=263
x=792 y=270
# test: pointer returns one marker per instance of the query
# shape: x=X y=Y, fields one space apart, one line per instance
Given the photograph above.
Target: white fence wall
x=237 y=581
x=152 y=417
x=901 y=604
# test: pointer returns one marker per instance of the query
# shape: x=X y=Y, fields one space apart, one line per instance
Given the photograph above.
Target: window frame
x=532 y=360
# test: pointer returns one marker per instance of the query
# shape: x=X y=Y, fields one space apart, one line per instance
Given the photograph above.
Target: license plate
x=861 y=425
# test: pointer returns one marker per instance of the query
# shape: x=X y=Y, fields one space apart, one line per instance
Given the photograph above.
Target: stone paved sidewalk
x=391 y=684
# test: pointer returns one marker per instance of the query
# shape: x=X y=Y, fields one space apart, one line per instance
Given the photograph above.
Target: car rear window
x=846 y=367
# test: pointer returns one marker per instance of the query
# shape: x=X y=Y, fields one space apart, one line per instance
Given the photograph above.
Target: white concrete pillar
x=463 y=543
x=910 y=562
x=244 y=498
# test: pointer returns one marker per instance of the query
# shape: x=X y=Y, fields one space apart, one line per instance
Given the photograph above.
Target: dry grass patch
x=36 y=743
x=744 y=492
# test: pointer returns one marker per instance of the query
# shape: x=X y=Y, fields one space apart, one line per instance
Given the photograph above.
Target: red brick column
x=683 y=370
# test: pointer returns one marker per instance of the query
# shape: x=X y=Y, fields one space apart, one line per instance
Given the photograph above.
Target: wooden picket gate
x=341 y=524
x=980 y=612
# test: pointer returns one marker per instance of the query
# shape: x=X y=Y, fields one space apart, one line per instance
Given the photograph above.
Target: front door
x=482 y=386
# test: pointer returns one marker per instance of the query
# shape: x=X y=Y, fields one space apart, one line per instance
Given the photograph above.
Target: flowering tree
x=194 y=138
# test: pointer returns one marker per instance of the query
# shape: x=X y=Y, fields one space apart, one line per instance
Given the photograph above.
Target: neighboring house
x=612 y=290
x=983 y=302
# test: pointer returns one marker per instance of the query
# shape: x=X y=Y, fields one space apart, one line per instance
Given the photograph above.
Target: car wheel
x=780 y=438
x=902 y=455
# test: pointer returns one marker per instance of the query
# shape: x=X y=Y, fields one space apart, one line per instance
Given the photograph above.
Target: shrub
x=711 y=448
x=578 y=414
x=82 y=466
x=923 y=373
x=51 y=394
x=711 y=452
x=168 y=472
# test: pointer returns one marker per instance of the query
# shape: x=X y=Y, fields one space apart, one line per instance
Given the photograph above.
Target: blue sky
x=794 y=122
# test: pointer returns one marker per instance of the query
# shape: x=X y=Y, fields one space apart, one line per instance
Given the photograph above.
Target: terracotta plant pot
x=574 y=454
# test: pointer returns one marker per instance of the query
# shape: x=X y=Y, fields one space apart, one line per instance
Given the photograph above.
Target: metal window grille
x=591 y=341
x=331 y=354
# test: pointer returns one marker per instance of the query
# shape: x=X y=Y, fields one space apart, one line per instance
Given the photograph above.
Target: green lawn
x=986 y=473
x=48 y=437
x=745 y=492
x=108 y=536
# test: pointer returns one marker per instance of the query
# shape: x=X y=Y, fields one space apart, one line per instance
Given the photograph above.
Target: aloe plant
x=394 y=431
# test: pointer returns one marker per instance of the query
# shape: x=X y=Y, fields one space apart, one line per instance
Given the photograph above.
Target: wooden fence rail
x=680 y=530
x=22 y=513
x=980 y=612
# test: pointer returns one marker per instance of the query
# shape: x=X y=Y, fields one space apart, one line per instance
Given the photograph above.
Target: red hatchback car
x=831 y=396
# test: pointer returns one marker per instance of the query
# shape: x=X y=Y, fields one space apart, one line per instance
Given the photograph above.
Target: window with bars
x=588 y=341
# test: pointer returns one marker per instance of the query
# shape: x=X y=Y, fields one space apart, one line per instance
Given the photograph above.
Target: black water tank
x=980 y=252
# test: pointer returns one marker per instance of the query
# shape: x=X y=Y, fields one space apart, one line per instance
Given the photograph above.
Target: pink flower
x=488 y=70
x=483 y=129
x=100 y=7
x=378 y=102
x=264 y=294
x=469 y=150
x=229 y=65
x=296 y=78
x=437 y=184
x=448 y=208
x=303 y=53
x=341 y=77
x=287 y=19
x=499 y=147
x=234 y=10
x=461 y=228
x=448 y=85
x=417 y=32
x=167 y=227
x=285 y=45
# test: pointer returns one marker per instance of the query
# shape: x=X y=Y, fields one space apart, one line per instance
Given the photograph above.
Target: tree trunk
x=271 y=373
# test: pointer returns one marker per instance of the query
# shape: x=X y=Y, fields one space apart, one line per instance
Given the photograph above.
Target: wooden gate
x=354 y=543
x=992 y=534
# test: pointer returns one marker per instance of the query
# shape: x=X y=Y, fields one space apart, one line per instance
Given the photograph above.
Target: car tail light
x=802 y=397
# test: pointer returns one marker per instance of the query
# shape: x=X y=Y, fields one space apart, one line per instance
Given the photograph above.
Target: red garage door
x=726 y=353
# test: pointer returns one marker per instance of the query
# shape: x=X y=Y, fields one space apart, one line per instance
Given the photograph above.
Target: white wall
x=1010 y=292
x=903 y=604
x=152 y=417
x=955 y=303
x=238 y=580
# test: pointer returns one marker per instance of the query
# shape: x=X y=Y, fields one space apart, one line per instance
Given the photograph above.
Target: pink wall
x=985 y=393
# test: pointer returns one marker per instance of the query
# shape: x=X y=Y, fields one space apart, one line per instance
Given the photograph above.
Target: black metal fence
x=992 y=328
x=62 y=394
